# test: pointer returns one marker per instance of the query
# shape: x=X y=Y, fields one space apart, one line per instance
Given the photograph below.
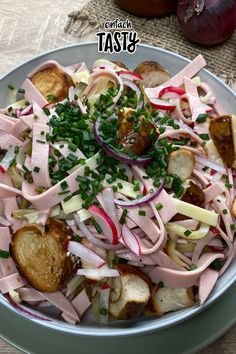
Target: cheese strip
x=195 y=212
x=126 y=189
x=73 y=204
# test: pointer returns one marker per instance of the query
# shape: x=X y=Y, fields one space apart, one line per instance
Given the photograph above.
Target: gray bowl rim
x=153 y=325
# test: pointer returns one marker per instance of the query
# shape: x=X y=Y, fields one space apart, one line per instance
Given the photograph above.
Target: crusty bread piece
x=41 y=257
x=52 y=83
x=234 y=208
x=181 y=163
x=152 y=72
x=170 y=299
x=134 y=294
x=86 y=265
x=222 y=130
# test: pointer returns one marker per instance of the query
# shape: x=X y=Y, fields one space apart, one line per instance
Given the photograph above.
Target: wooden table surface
x=28 y=28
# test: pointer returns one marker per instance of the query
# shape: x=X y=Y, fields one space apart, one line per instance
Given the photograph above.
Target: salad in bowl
x=117 y=192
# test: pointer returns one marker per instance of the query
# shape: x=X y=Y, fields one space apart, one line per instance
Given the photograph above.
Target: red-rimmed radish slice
x=104 y=221
x=101 y=272
x=171 y=92
x=130 y=75
x=85 y=253
x=130 y=240
x=161 y=104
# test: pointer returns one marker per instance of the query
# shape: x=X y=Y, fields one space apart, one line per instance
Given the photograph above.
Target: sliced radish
x=104 y=221
x=109 y=273
x=130 y=240
x=171 y=92
x=130 y=75
x=85 y=253
x=161 y=104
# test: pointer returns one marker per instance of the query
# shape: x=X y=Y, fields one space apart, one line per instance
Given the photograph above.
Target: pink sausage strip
x=178 y=279
x=51 y=197
x=212 y=192
x=29 y=294
x=11 y=282
x=5 y=124
x=7 y=140
x=168 y=209
x=207 y=281
x=10 y=204
x=32 y=94
x=8 y=191
x=7 y=265
x=196 y=106
x=189 y=71
x=40 y=154
x=61 y=302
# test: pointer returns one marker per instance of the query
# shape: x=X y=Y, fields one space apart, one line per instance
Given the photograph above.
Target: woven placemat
x=162 y=32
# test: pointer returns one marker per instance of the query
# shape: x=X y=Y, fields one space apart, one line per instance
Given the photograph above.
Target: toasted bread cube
x=134 y=294
x=152 y=72
x=181 y=163
x=171 y=299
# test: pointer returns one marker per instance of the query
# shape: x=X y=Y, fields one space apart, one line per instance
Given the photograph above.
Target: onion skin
x=207 y=22
x=148 y=8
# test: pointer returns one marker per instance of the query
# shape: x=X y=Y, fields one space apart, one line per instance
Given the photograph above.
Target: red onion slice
x=135 y=88
x=118 y=155
x=142 y=201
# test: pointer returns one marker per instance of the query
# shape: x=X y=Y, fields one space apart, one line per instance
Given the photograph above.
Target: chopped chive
x=187 y=233
x=161 y=284
x=232 y=227
x=72 y=147
x=21 y=90
x=35 y=117
x=225 y=211
x=204 y=136
x=228 y=185
x=46 y=111
x=25 y=169
x=40 y=141
x=10 y=109
x=11 y=87
x=216 y=264
x=63 y=192
x=180 y=191
x=142 y=212
x=64 y=185
x=42 y=132
x=114 y=188
x=159 y=206
x=202 y=118
x=4 y=254
x=97 y=227
x=40 y=189
x=16 y=149
x=151 y=191
x=193 y=266
x=36 y=169
x=103 y=311
x=205 y=168
x=123 y=217
x=120 y=185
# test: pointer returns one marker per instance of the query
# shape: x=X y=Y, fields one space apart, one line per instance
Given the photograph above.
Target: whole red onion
x=207 y=21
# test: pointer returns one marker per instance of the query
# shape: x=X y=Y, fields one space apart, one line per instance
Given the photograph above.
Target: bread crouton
x=152 y=72
x=181 y=163
x=133 y=293
x=165 y=299
x=41 y=257
x=52 y=83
